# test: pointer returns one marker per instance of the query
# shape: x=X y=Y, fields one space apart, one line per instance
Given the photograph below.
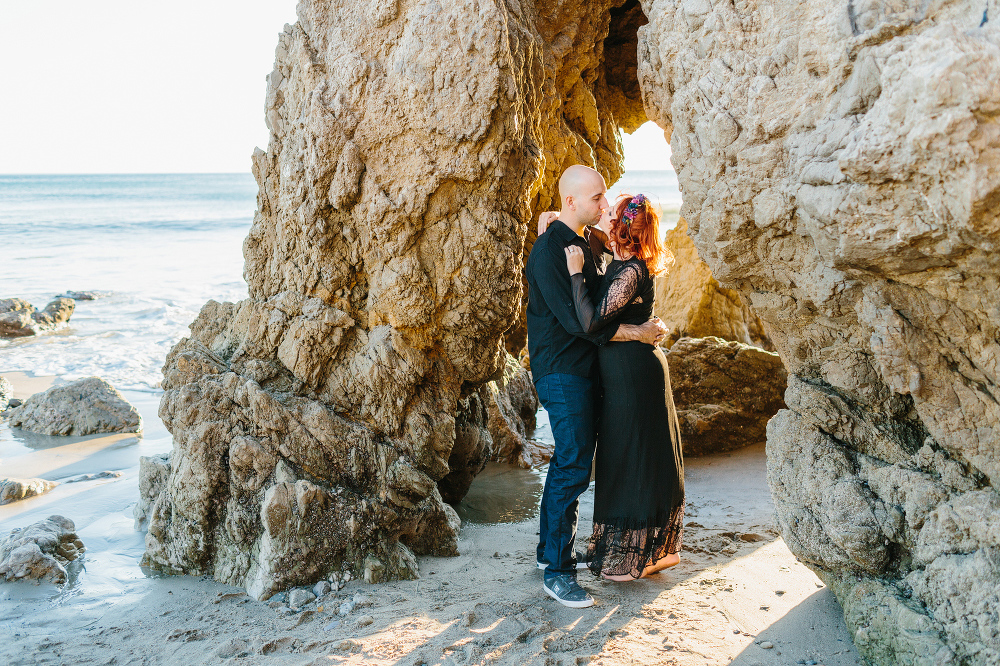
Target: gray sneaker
x=567 y=591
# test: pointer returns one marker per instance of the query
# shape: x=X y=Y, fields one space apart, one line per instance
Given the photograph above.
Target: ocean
x=159 y=246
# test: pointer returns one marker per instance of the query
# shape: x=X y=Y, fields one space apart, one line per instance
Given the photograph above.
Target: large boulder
x=19 y=318
x=839 y=169
x=725 y=393
x=693 y=304
x=318 y=421
x=84 y=407
x=40 y=551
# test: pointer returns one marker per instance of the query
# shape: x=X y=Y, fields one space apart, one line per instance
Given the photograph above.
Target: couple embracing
x=603 y=380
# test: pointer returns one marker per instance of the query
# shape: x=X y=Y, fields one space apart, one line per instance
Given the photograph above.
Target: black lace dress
x=639 y=485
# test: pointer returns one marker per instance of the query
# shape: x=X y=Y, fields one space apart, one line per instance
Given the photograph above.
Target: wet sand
x=737 y=590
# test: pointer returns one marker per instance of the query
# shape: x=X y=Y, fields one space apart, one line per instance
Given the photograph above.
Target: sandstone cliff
x=320 y=420
x=693 y=304
x=839 y=163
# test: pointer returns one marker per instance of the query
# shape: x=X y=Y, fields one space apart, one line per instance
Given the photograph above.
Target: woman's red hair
x=641 y=237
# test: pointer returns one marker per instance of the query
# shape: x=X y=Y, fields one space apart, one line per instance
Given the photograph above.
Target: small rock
x=84 y=407
x=84 y=295
x=767 y=645
x=19 y=318
x=364 y=621
x=40 y=551
x=107 y=474
x=321 y=588
x=779 y=592
x=299 y=597
x=12 y=490
x=14 y=402
x=332 y=625
x=346 y=608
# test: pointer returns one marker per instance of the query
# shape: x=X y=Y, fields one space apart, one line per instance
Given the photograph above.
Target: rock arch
x=839 y=167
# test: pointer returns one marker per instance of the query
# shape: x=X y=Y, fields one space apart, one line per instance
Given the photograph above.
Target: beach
x=736 y=591
x=158 y=249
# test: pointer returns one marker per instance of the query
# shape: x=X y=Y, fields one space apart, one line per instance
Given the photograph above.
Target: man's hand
x=545 y=219
x=652 y=332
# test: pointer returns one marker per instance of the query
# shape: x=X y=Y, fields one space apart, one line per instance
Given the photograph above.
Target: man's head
x=581 y=191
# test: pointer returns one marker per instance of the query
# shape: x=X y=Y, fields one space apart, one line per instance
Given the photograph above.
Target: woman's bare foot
x=659 y=565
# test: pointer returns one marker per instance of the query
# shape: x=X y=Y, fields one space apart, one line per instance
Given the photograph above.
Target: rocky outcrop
x=318 y=421
x=84 y=407
x=725 y=393
x=838 y=164
x=693 y=304
x=19 y=318
x=12 y=490
x=40 y=551
x=511 y=403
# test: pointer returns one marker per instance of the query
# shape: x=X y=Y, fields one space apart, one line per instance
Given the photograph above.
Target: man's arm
x=652 y=332
x=552 y=279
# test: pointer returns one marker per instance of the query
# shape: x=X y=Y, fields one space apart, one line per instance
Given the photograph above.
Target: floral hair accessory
x=632 y=209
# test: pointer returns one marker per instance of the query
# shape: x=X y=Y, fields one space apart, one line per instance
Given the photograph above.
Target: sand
x=738 y=596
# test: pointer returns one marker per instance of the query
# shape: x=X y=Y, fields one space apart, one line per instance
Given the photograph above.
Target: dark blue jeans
x=572 y=404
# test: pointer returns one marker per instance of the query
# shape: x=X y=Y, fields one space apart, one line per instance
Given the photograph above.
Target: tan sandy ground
x=737 y=589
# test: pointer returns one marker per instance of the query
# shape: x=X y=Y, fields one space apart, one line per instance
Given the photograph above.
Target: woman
x=639 y=488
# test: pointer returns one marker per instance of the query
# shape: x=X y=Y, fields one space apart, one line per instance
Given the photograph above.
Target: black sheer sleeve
x=620 y=293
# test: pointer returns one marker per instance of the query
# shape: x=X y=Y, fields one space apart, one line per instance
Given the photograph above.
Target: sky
x=134 y=86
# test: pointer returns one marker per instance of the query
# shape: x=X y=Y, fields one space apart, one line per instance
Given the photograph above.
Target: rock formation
x=839 y=168
x=693 y=304
x=511 y=403
x=838 y=164
x=19 y=318
x=319 y=421
x=725 y=393
x=84 y=407
x=12 y=490
x=40 y=551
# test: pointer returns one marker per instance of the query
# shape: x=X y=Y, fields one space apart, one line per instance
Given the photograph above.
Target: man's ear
x=570 y=202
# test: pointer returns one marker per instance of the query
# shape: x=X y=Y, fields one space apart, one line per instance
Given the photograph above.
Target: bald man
x=565 y=370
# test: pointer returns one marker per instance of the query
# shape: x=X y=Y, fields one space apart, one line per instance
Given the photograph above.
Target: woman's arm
x=620 y=293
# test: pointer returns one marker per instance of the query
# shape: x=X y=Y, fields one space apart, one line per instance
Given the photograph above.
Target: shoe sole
x=542 y=565
x=587 y=603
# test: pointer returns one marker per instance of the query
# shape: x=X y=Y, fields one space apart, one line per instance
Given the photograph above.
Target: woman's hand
x=545 y=219
x=574 y=259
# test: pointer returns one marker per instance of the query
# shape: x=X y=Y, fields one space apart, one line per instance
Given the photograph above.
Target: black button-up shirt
x=556 y=341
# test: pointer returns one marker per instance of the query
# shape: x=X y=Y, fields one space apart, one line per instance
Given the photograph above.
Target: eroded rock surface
x=319 y=424
x=693 y=304
x=839 y=167
x=40 y=551
x=511 y=403
x=12 y=490
x=84 y=407
x=725 y=393
x=19 y=318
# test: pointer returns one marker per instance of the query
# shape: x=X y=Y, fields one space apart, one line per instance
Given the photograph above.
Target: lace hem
x=624 y=547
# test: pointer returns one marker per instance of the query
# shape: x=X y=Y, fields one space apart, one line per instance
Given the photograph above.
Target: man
x=566 y=374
